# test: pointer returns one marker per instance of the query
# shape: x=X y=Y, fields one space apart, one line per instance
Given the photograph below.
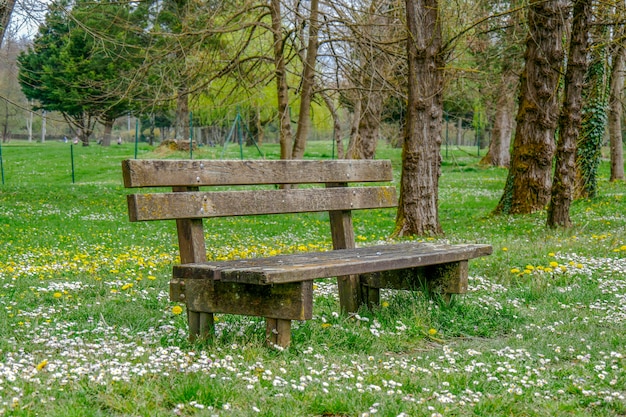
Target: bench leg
x=448 y=279
x=201 y=325
x=370 y=296
x=349 y=293
x=278 y=332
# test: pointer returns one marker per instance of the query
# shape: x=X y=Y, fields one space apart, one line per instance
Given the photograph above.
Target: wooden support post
x=192 y=249
x=342 y=232
x=278 y=332
x=446 y=279
x=193 y=320
x=370 y=296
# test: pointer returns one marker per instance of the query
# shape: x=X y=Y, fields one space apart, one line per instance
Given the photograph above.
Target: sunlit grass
x=88 y=329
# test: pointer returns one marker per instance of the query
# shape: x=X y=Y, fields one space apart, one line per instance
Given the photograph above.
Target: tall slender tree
x=616 y=107
x=418 y=211
x=595 y=118
x=571 y=117
x=308 y=75
x=528 y=184
x=284 y=118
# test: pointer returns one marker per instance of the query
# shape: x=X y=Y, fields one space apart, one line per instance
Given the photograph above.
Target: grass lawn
x=87 y=328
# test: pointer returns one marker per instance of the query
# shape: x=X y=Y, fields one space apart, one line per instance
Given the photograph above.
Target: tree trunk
x=308 y=74
x=421 y=161
x=336 y=124
x=615 y=113
x=354 y=146
x=529 y=181
x=6 y=8
x=284 y=119
x=570 y=119
x=499 y=153
x=29 y=124
x=369 y=124
x=182 y=116
x=43 y=126
x=595 y=119
x=108 y=128
x=5 y=123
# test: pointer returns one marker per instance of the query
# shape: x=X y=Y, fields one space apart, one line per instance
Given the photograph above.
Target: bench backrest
x=188 y=204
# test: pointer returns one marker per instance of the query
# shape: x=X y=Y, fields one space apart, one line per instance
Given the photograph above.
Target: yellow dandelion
x=432 y=332
x=530 y=267
x=151 y=277
x=57 y=295
x=563 y=268
x=177 y=310
x=505 y=249
x=580 y=266
x=623 y=247
x=127 y=286
x=548 y=270
x=515 y=271
x=554 y=264
x=326 y=325
x=551 y=254
x=42 y=364
x=384 y=304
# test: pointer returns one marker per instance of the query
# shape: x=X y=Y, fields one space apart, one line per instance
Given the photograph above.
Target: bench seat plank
x=194 y=205
x=172 y=173
x=307 y=266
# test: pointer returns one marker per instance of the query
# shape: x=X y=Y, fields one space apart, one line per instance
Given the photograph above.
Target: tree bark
x=499 y=153
x=354 y=146
x=308 y=74
x=284 y=119
x=528 y=184
x=108 y=128
x=615 y=113
x=6 y=8
x=421 y=161
x=570 y=118
x=369 y=124
x=182 y=116
x=336 y=123
x=595 y=118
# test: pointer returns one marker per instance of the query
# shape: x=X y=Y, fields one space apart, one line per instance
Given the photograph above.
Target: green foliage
x=72 y=70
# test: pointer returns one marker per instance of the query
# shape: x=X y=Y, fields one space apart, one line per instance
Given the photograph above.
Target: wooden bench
x=280 y=288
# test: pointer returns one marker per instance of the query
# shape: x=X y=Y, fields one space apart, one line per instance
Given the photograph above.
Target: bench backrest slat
x=173 y=173
x=194 y=205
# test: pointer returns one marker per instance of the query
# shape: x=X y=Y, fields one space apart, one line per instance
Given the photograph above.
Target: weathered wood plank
x=197 y=205
x=170 y=173
x=292 y=301
x=308 y=266
x=449 y=278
